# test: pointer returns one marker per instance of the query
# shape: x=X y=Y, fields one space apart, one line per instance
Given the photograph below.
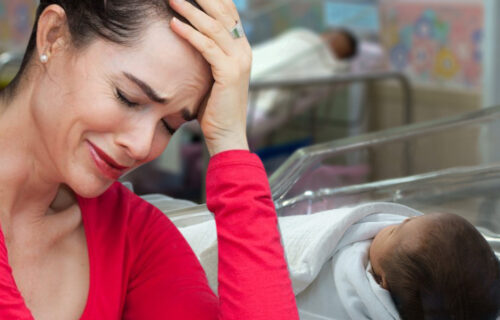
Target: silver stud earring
x=44 y=58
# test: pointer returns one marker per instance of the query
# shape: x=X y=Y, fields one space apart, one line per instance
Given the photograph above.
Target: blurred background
x=416 y=60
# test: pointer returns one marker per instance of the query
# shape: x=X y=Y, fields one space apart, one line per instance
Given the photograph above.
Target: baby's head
x=437 y=266
x=343 y=43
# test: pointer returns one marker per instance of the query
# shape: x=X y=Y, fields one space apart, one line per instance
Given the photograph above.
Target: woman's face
x=106 y=109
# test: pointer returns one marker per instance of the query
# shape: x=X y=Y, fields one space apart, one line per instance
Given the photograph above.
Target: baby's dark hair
x=118 y=21
x=450 y=272
x=353 y=42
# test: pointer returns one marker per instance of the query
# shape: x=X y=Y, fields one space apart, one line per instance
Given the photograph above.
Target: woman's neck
x=28 y=188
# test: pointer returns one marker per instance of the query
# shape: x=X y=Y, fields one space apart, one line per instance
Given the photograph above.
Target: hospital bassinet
x=324 y=90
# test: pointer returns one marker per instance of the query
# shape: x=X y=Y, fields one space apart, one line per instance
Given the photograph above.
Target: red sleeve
x=166 y=280
x=254 y=282
x=12 y=306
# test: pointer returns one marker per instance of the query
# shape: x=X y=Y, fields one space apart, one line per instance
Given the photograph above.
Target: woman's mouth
x=107 y=165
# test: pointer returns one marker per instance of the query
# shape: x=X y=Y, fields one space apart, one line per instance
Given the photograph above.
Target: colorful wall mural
x=16 y=21
x=361 y=17
x=436 y=42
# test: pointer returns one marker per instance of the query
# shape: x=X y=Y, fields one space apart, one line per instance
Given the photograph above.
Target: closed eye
x=121 y=97
x=168 y=127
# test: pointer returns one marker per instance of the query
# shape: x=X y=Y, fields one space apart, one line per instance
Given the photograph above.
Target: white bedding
x=327 y=254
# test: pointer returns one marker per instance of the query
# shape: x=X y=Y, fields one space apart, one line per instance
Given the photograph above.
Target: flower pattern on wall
x=446 y=65
x=400 y=57
x=424 y=27
x=436 y=43
x=422 y=57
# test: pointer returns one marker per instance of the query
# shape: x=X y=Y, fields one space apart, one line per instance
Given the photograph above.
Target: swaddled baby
x=437 y=266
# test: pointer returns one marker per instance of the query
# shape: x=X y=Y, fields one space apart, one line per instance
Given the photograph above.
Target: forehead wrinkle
x=198 y=79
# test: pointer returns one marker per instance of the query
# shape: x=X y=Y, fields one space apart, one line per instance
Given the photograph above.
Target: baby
x=437 y=266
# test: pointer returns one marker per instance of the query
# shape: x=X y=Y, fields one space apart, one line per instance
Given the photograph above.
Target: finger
x=221 y=10
x=226 y=12
x=205 y=45
x=207 y=25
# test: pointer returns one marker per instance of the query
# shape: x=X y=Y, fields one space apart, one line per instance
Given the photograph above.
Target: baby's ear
x=383 y=283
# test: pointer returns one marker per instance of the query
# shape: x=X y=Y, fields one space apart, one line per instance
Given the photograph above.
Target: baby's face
x=339 y=43
x=388 y=239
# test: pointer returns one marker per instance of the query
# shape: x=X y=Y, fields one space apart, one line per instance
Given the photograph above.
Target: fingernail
x=175 y=21
x=178 y=1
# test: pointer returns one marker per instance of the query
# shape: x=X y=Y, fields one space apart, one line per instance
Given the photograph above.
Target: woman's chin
x=91 y=188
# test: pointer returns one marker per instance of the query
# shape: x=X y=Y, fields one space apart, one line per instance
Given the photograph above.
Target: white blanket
x=327 y=254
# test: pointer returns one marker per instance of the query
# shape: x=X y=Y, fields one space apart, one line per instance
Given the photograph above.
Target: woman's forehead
x=160 y=58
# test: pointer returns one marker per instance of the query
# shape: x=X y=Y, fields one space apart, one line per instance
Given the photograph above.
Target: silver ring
x=237 y=31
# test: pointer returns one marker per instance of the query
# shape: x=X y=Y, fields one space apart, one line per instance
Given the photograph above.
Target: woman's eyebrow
x=186 y=114
x=146 y=89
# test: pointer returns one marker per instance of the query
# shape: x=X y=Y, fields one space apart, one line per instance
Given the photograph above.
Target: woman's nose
x=137 y=139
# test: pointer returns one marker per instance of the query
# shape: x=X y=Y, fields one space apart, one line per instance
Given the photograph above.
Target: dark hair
x=353 y=42
x=118 y=21
x=450 y=273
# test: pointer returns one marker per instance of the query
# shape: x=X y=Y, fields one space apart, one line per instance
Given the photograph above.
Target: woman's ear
x=52 y=32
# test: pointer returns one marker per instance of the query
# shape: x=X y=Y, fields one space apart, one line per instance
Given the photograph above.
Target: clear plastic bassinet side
x=448 y=165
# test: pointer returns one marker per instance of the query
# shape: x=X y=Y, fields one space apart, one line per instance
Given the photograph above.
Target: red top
x=142 y=268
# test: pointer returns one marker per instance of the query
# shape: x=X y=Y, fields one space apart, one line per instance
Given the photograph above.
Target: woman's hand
x=223 y=115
